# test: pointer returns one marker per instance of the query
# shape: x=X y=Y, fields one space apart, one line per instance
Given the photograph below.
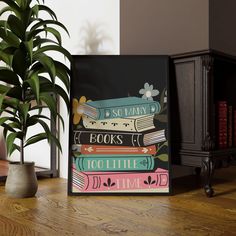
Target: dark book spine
x=230 y=126
x=108 y=138
x=234 y=128
x=222 y=125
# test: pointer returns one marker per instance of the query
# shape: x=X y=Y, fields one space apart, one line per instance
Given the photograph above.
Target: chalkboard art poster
x=119 y=125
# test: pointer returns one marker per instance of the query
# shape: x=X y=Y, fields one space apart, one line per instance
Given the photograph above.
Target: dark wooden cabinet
x=198 y=82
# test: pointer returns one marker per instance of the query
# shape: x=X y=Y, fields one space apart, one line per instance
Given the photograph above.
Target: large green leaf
x=48 y=10
x=61 y=121
x=35 y=10
x=29 y=48
x=45 y=127
x=15 y=125
x=15 y=92
x=9 y=118
x=33 y=120
x=6 y=58
x=38 y=1
x=62 y=73
x=4 y=25
x=30 y=35
x=4 y=10
x=44 y=81
x=19 y=62
x=6 y=111
x=14 y=148
x=51 y=103
x=53 y=48
x=39 y=41
x=7 y=128
x=37 y=68
x=47 y=22
x=56 y=141
x=16 y=26
x=4 y=89
x=62 y=67
x=47 y=87
x=3 y=119
x=9 y=77
x=23 y=3
x=38 y=107
x=14 y=7
x=10 y=50
x=26 y=17
x=9 y=37
x=36 y=138
x=11 y=102
x=24 y=109
x=2 y=97
x=1 y=100
x=33 y=81
x=54 y=32
x=10 y=141
x=48 y=64
x=63 y=95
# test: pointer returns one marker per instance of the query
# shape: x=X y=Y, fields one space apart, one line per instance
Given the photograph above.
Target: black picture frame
x=98 y=78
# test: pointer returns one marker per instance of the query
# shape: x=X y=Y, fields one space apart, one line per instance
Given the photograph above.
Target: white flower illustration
x=148 y=92
x=165 y=98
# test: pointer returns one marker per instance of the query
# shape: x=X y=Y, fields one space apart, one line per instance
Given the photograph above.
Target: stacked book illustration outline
x=115 y=150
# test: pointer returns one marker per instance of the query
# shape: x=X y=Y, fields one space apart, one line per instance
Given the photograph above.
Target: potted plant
x=28 y=83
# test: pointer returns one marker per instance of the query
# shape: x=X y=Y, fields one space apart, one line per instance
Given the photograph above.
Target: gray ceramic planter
x=21 y=180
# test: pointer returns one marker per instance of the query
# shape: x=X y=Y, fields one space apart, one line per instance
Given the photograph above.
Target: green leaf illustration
x=161 y=118
x=163 y=157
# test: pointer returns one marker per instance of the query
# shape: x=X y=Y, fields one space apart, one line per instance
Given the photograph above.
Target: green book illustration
x=120 y=108
x=95 y=163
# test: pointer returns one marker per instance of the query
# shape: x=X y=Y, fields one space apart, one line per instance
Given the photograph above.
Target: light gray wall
x=223 y=26
x=164 y=26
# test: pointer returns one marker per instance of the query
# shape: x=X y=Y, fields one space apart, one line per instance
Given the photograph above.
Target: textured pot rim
x=18 y=163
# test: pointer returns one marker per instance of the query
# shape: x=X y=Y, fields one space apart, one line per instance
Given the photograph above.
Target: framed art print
x=119 y=142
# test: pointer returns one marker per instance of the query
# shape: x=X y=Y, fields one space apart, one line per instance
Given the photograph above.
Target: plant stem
x=22 y=129
x=22 y=152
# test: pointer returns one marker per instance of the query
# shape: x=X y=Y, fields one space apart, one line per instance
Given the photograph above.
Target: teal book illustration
x=120 y=108
x=114 y=162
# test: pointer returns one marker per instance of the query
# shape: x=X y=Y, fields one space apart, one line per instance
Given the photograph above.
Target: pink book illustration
x=120 y=181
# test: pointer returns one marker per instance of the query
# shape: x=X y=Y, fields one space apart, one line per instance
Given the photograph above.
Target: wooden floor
x=186 y=213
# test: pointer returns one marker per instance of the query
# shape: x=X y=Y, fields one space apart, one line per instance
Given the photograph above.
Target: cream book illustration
x=134 y=123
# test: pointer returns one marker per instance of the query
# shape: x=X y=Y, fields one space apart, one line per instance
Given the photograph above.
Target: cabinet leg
x=208 y=167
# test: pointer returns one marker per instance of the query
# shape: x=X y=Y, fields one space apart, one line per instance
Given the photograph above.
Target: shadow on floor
x=194 y=182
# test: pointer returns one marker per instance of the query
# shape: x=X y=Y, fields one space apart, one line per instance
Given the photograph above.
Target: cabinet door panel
x=186 y=104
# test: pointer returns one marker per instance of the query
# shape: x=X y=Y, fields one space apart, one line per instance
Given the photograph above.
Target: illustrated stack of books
x=114 y=152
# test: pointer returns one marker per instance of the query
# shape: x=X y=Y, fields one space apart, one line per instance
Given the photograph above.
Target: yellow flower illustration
x=77 y=109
